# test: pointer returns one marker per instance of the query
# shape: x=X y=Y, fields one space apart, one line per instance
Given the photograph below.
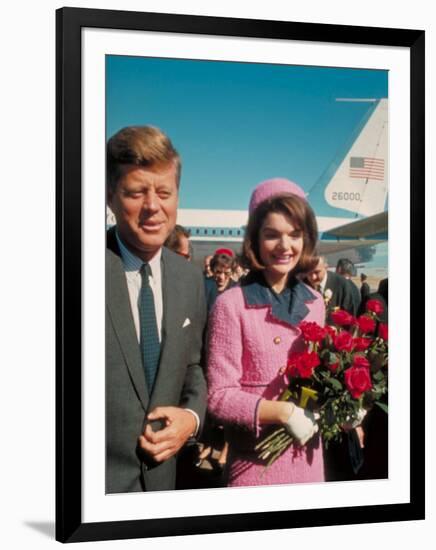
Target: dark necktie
x=150 y=345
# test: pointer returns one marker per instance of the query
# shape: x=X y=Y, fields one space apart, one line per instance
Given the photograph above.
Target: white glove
x=361 y=413
x=301 y=424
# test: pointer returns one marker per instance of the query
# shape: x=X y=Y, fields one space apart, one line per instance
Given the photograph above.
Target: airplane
x=349 y=199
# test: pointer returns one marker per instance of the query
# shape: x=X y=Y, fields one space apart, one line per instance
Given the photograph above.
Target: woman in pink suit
x=252 y=330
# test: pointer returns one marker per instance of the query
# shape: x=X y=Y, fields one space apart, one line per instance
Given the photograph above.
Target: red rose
x=342 y=318
x=361 y=344
x=375 y=306
x=294 y=365
x=383 y=331
x=301 y=365
x=361 y=362
x=312 y=332
x=343 y=341
x=334 y=366
x=311 y=359
x=357 y=380
x=365 y=324
x=331 y=331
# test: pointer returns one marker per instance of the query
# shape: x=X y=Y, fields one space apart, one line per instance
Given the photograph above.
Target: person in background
x=252 y=329
x=178 y=241
x=222 y=266
x=227 y=251
x=365 y=291
x=346 y=268
x=375 y=424
x=383 y=289
x=207 y=272
x=332 y=287
x=239 y=272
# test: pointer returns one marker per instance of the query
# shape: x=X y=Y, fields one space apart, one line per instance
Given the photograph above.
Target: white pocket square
x=186 y=323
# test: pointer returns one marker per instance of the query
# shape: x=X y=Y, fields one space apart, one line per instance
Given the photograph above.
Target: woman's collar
x=257 y=293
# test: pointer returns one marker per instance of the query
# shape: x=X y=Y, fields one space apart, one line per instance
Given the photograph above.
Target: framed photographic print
x=230 y=103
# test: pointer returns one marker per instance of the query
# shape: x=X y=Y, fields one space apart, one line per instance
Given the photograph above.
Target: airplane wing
x=374 y=226
x=364 y=232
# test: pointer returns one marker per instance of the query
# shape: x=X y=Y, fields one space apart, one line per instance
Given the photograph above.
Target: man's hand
x=361 y=436
x=179 y=426
x=357 y=425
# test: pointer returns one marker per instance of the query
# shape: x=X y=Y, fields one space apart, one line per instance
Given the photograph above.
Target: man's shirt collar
x=324 y=282
x=132 y=263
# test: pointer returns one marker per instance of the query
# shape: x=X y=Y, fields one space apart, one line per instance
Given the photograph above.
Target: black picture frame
x=69 y=22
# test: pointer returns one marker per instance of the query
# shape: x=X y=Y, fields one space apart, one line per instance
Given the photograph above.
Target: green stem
x=277 y=442
x=271 y=436
x=279 y=452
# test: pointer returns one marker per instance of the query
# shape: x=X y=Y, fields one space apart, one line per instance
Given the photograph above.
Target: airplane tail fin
x=359 y=180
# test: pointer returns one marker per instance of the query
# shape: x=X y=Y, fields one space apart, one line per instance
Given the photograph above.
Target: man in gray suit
x=156 y=315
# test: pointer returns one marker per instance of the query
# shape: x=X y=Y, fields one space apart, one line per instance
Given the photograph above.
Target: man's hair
x=303 y=219
x=173 y=240
x=346 y=267
x=320 y=258
x=223 y=261
x=363 y=277
x=239 y=260
x=139 y=146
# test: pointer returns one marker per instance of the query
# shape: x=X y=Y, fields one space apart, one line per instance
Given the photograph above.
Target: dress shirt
x=132 y=266
x=323 y=284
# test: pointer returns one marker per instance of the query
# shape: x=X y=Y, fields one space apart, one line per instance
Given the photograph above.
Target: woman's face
x=280 y=246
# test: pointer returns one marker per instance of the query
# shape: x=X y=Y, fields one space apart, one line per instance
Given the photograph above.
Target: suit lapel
x=118 y=303
x=331 y=284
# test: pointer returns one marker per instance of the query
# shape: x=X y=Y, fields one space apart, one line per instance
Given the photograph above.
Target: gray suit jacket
x=180 y=379
x=342 y=293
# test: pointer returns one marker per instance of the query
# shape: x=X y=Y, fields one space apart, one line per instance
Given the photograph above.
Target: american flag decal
x=367 y=168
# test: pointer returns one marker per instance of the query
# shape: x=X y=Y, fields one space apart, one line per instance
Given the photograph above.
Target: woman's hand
x=301 y=424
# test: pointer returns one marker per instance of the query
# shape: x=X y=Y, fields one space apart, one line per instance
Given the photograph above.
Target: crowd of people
x=193 y=359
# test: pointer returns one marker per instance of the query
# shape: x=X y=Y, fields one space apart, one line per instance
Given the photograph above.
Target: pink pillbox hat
x=271 y=188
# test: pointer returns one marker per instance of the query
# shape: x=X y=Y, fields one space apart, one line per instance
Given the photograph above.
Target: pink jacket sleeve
x=227 y=400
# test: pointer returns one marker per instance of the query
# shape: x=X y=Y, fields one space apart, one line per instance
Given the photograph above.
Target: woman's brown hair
x=301 y=216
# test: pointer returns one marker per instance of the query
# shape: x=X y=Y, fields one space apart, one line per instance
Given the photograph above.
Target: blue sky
x=236 y=124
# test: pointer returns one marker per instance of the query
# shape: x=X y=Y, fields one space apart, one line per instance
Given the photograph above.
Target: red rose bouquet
x=341 y=373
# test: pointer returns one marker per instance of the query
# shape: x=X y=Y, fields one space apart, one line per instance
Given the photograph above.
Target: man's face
x=222 y=277
x=145 y=207
x=207 y=269
x=316 y=276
